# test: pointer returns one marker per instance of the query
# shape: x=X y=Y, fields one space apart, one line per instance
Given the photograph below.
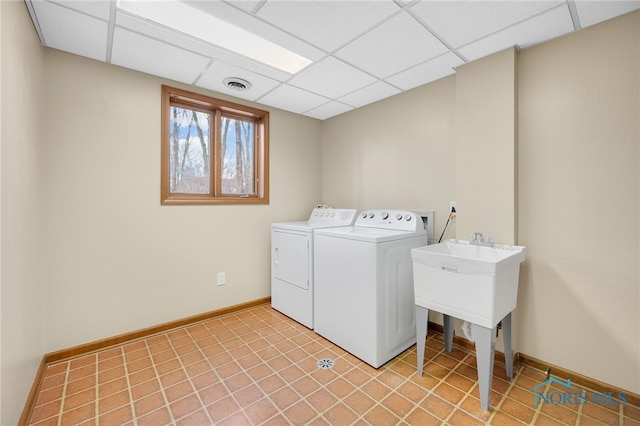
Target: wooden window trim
x=217 y=108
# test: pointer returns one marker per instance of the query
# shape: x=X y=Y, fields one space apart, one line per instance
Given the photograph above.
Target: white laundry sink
x=475 y=283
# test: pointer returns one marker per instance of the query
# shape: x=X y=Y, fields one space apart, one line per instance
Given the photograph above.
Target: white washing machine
x=363 y=277
x=292 y=261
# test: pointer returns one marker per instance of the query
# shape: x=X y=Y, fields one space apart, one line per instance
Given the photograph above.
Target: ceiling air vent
x=236 y=83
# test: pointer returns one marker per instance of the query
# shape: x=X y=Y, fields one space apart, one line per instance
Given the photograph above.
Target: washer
x=363 y=276
x=292 y=261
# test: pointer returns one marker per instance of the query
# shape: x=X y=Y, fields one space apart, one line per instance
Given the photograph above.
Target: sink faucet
x=477 y=239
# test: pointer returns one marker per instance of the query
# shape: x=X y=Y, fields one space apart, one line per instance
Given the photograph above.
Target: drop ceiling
x=361 y=51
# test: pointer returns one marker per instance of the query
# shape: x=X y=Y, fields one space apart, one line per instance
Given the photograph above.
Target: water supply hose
x=452 y=214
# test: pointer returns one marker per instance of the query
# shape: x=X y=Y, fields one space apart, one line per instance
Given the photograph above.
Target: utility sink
x=476 y=283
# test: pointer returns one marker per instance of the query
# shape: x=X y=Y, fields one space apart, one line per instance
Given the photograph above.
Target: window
x=213 y=151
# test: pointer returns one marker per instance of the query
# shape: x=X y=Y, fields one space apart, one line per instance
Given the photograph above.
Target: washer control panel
x=390 y=219
x=342 y=217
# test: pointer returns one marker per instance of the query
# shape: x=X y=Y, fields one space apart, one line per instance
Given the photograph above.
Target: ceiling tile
x=331 y=78
x=426 y=72
x=73 y=32
x=176 y=38
x=293 y=99
x=327 y=110
x=213 y=79
x=461 y=22
x=248 y=6
x=592 y=12
x=97 y=8
x=394 y=46
x=144 y=54
x=234 y=13
x=372 y=93
x=549 y=25
x=327 y=24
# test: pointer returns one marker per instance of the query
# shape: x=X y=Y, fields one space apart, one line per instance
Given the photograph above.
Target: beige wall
x=21 y=224
x=485 y=139
x=579 y=138
x=116 y=260
x=576 y=208
x=394 y=154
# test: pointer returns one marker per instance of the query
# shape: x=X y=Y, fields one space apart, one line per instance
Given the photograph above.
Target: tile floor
x=258 y=367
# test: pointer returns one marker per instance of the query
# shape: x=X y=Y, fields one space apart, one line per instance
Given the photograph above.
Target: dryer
x=363 y=278
x=292 y=286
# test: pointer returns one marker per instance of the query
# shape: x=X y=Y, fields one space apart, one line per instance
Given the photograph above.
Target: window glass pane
x=189 y=151
x=237 y=156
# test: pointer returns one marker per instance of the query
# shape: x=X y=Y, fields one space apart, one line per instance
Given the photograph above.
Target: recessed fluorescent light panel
x=191 y=21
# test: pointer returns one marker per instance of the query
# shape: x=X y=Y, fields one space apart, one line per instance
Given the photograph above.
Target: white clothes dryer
x=292 y=285
x=363 y=278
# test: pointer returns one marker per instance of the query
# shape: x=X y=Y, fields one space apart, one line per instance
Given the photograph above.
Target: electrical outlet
x=452 y=205
x=222 y=280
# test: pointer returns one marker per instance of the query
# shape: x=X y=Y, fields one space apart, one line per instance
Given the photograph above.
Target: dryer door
x=290 y=258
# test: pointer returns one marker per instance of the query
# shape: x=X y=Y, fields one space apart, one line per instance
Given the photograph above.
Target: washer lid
x=367 y=234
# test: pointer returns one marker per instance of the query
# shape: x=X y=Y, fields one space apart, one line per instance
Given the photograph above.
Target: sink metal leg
x=449 y=327
x=508 y=353
x=485 y=349
x=422 y=315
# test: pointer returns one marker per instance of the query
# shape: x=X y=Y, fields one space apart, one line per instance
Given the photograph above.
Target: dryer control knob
x=407 y=218
x=364 y=215
x=398 y=216
x=385 y=215
x=371 y=215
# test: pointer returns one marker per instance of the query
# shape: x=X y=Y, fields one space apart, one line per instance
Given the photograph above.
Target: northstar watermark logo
x=572 y=396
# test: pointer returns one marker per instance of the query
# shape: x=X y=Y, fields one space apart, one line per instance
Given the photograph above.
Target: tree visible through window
x=213 y=151
x=190 y=147
x=237 y=156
